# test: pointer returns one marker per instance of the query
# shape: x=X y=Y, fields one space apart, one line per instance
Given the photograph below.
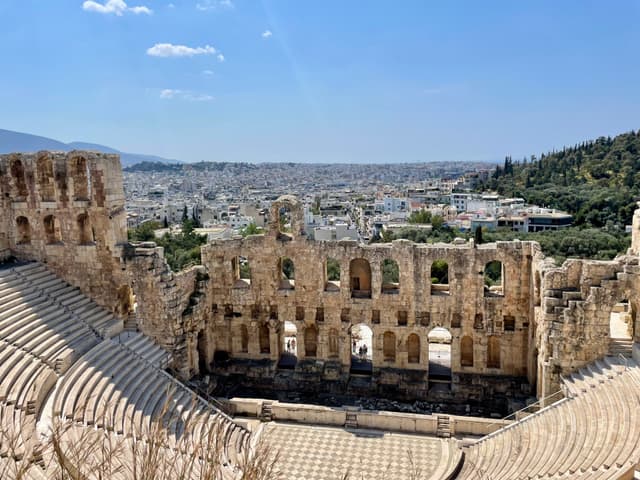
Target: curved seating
x=595 y=433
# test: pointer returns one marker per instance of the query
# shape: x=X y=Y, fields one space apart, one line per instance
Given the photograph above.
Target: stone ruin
x=541 y=322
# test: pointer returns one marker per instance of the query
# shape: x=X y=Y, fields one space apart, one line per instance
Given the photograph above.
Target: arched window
x=311 y=341
x=332 y=282
x=80 y=178
x=466 y=351
x=493 y=352
x=85 y=232
x=493 y=279
x=287 y=273
x=17 y=172
x=265 y=343
x=23 y=230
x=52 y=229
x=244 y=339
x=413 y=348
x=390 y=276
x=333 y=343
x=389 y=346
x=440 y=277
x=45 y=178
x=360 y=278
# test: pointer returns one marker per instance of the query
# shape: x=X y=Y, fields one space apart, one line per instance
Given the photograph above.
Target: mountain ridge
x=12 y=141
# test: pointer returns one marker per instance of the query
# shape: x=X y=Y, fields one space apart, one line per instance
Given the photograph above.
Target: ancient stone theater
x=102 y=344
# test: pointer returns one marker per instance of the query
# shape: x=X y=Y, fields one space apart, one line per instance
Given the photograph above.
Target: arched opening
x=244 y=339
x=494 y=279
x=310 y=341
x=203 y=363
x=493 y=352
x=390 y=276
x=126 y=300
x=389 y=347
x=287 y=273
x=360 y=278
x=332 y=272
x=45 y=178
x=334 y=340
x=537 y=293
x=466 y=351
x=285 y=224
x=23 y=231
x=52 y=229
x=362 y=349
x=413 y=348
x=440 y=277
x=439 y=357
x=621 y=324
x=85 y=232
x=241 y=271
x=289 y=356
x=265 y=342
x=80 y=179
x=17 y=172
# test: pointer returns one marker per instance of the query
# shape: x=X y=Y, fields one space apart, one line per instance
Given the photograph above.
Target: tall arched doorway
x=289 y=356
x=439 y=358
x=361 y=349
x=621 y=323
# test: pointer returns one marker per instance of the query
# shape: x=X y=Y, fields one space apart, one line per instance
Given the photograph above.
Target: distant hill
x=24 y=142
x=598 y=181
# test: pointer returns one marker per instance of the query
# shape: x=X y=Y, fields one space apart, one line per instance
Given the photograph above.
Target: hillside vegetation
x=596 y=181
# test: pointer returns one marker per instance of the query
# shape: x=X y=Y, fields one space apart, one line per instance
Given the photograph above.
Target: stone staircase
x=266 y=415
x=620 y=346
x=443 y=426
x=351 y=419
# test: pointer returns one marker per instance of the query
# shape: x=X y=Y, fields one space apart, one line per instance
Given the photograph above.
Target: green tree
x=251 y=229
x=333 y=270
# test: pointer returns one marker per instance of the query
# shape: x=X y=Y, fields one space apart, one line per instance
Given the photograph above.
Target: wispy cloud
x=220 y=57
x=208 y=73
x=115 y=7
x=266 y=34
x=208 y=5
x=170 y=94
x=170 y=50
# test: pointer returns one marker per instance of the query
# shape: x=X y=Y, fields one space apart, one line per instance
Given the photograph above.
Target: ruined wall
x=67 y=210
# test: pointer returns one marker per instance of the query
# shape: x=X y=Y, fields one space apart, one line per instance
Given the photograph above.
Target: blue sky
x=321 y=81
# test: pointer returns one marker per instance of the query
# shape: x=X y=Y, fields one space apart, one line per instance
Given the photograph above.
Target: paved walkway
x=324 y=453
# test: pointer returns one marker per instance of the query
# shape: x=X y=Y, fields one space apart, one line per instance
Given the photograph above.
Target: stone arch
x=17 y=172
x=332 y=275
x=334 y=343
x=360 y=278
x=361 y=340
x=537 y=291
x=286 y=218
x=23 y=230
x=389 y=346
x=466 y=351
x=289 y=352
x=52 y=229
x=85 y=232
x=310 y=341
x=46 y=184
x=440 y=275
x=241 y=272
x=413 y=348
x=494 y=279
x=286 y=273
x=244 y=339
x=390 y=276
x=80 y=176
x=202 y=349
x=493 y=352
x=439 y=347
x=263 y=336
x=126 y=300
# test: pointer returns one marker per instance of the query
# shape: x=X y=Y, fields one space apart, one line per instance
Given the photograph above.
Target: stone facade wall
x=67 y=210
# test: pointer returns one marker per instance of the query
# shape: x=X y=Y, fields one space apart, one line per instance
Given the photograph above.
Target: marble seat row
x=593 y=433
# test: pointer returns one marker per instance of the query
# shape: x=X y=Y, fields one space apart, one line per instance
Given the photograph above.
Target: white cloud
x=220 y=57
x=116 y=7
x=208 y=5
x=266 y=34
x=170 y=94
x=208 y=73
x=171 y=5
x=170 y=50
